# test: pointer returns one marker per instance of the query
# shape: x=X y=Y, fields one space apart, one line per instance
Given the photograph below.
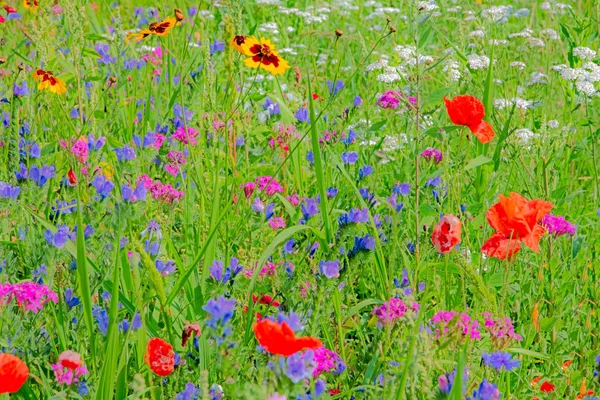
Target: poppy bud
x=178 y=15
x=21 y=66
x=112 y=79
x=388 y=19
x=392 y=29
x=3 y=60
x=338 y=33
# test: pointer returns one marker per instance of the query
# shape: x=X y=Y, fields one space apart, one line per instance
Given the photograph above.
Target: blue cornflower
x=216 y=46
x=105 y=58
x=331 y=269
x=101 y=318
x=365 y=171
x=349 y=157
x=499 y=360
x=103 y=186
x=310 y=157
x=288 y=247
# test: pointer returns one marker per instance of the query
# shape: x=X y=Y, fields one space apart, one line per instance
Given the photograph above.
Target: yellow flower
x=161 y=28
x=32 y=5
x=262 y=54
x=47 y=80
x=242 y=44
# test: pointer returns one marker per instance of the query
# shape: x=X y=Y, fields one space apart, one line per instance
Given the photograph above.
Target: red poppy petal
x=500 y=247
x=483 y=131
x=465 y=110
x=533 y=239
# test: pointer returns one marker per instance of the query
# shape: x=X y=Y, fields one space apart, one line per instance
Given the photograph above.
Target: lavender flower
x=331 y=269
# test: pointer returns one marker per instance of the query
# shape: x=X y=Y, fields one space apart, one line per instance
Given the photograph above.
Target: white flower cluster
x=537 y=78
x=478 y=62
x=497 y=14
x=553 y=124
x=410 y=55
x=319 y=15
x=452 y=67
x=584 y=77
x=518 y=65
x=519 y=103
x=559 y=8
x=269 y=27
x=269 y=2
x=382 y=12
x=428 y=6
x=478 y=33
x=523 y=34
x=525 y=136
x=584 y=53
x=550 y=33
x=535 y=42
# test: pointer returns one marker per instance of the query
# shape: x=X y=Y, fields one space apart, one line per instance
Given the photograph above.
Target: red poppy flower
x=446 y=234
x=70 y=359
x=160 y=357
x=280 y=339
x=2 y=20
x=468 y=111
x=9 y=9
x=515 y=220
x=547 y=387
x=13 y=373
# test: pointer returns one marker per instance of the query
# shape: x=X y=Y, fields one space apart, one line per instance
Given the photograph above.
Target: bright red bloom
x=446 y=234
x=72 y=177
x=160 y=357
x=70 y=359
x=515 y=220
x=280 y=339
x=9 y=9
x=13 y=373
x=2 y=20
x=547 y=387
x=468 y=111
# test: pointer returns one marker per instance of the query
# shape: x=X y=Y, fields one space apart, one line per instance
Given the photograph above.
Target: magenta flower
x=432 y=154
x=390 y=99
x=327 y=361
x=269 y=185
x=248 y=189
x=186 y=136
x=29 y=295
x=160 y=191
x=447 y=321
x=277 y=223
x=501 y=330
x=393 y=310
x=558 y=225
x=80 y=150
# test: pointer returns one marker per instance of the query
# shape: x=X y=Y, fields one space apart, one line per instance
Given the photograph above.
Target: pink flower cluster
x=186 y=136
x=558 y=225
x=448 y=321
x=277 y=223
x=391 y=99
x=326 y=361
x=29 y=295
x=501 y=330
x=80 y=150
x=160 y=191
x=269 y=269
x=176 y=159
x=393 y=310
x=269 y=185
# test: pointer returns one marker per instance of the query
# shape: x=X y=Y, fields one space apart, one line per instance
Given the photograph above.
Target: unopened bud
x=389 y=20
x=392 y=28
x=298 y=76
x=338 y=32
x=3 y=60
x=112 y=79
x=21 y=66
x=178 y=15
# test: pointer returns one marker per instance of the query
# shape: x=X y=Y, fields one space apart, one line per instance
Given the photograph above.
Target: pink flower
x=80 y=150
x=66 y=376
x=172 y=169
x=293 y=199
x=70 y=359
x=159 y=141
x=447 y=320
x=393 y=310
x=29 y=295
x=326 y=361
x=269 y=269
x=269 y=185
x=501 y=330
x=277 y=223
x=389 y=99
x=186 y=136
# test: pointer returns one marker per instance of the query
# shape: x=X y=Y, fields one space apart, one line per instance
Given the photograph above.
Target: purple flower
x=269 y=211
x=331 y=269
x=70 y=300
x=357 y=101
x=309 y=209
x=485 y=391
x=310 y=157
x=401 y=189
x=125 y=154
x=258 y=206
x=393 y=200
x=435 y=182
x=499 y=360
x=224 y=275
x=366 y=243
x=28 y=295
x=60 y=238
x=335 y=88
x=105 y=58
x=292 y=320
x=8 y=191
x=41 y=175
x=432 y=154
x=298 y=366
x=220 y=311
x=191 y=392
x=95 y=144
x=271 y=107
x=288 y=247
x=302 y=115
x=349 y=138
x=216 y=46
x=103 y=186
x=389 y=99
x=558 y=225
x=101 y=317
x=132 y=196
x=349 y=157
x=391 y=311
x=365 y=171
x=22 y=90
x=165 y=269
x=331 y=192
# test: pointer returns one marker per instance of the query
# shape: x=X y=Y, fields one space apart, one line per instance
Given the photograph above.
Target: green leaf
x=436 y=96
x=477 y=161
x=377 y=125
x=529 y=353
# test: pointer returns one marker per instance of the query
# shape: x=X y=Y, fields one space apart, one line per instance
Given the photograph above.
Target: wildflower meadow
x=300 y=199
